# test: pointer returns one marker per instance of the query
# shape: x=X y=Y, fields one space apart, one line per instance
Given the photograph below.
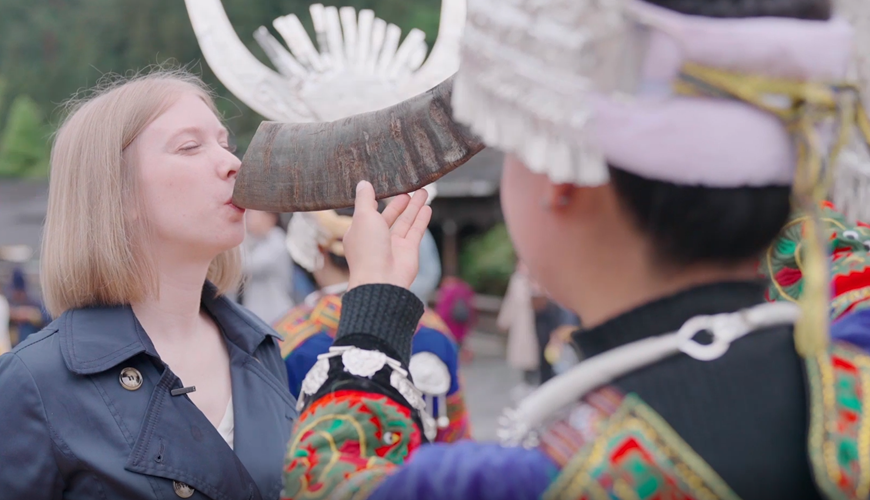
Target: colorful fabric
x=308 y=332
x=432 y=320
x=637 y=455
x=358 y=445
x=459 y=425
x=469 y=471
x=839 y=439
x=849 y=249
x=579 y=425
x=853 y=329
x=609 y=445
x=455 y=303
x=343 y=434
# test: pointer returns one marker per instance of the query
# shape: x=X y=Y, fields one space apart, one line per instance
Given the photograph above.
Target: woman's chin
x=232 y=238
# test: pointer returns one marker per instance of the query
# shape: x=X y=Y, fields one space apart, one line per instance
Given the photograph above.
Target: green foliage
x=488 y=261
x=50 y=49
x=24 y=141
x=3 y=87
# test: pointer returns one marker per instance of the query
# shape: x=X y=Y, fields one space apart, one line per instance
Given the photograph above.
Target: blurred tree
x=3 y=87
x=50 y=49
x=24 y=141
x=488 y=261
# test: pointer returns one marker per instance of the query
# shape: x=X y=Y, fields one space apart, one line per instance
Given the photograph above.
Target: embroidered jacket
x=757 y=423
x=308 y=332
x=849 y=248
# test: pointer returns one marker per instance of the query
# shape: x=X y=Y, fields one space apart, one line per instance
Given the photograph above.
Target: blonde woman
x=150 y=383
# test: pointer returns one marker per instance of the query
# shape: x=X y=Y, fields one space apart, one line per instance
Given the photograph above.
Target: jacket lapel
x=177 y=442
x=255 y=408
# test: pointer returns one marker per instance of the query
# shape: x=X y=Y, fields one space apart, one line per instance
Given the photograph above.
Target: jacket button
x=182 y=490
x=130 y=379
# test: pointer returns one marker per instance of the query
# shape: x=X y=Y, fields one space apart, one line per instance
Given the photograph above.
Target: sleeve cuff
x=386 y=314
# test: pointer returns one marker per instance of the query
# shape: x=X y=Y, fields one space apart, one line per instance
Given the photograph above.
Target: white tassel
x=504 y=125
x=851 y=188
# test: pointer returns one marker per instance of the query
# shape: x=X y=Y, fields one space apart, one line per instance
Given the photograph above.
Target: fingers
x=418 y=228
x=365 y=197
x=395 y=208
x=403 y=224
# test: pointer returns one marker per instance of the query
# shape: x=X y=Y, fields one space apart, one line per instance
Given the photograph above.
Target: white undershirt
x=228 y=424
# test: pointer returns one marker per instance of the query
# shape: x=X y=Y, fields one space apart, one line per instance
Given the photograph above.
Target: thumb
x=365 y=197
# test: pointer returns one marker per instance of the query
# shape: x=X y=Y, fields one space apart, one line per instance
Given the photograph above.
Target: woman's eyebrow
x=186 y=130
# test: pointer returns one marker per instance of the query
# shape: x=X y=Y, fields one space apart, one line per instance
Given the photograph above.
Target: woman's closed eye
x=232 y=148
x=189 y=147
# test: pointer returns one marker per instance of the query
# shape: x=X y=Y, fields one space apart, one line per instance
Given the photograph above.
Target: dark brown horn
x=300 y=167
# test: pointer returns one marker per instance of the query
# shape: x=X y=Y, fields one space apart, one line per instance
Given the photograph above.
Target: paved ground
x=488 y=382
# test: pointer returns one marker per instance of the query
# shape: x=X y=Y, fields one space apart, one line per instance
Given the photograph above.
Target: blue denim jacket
x=69 y=428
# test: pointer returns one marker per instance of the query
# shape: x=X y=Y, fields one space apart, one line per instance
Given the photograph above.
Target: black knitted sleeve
x=380 y=317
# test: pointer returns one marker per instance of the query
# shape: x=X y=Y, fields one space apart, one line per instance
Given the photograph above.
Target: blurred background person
x=548 y=317
x=429 y=273
x=455 y=305
x=561 y=351
x=26 y=312
x=267 y=267
x=517 y=318
x=301 y=283
x=429 y=269
x=315 y=241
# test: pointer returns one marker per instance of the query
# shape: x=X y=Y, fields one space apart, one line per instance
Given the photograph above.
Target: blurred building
x=467 y=205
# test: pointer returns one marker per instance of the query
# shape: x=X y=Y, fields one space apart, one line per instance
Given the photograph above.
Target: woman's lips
x=234 y=207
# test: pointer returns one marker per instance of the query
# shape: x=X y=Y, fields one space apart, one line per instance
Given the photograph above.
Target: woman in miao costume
x=314 y=240
x=656 y=147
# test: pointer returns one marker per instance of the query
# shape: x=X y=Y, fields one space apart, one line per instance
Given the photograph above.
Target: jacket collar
x=668 y=314
x=96 y=339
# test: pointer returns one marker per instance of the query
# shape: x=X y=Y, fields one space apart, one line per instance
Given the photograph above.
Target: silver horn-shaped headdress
x=404 y=137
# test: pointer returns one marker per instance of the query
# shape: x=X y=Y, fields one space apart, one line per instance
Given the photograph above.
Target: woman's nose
x=230 y=164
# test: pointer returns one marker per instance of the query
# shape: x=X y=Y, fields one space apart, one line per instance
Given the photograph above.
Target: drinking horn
x=302 y=167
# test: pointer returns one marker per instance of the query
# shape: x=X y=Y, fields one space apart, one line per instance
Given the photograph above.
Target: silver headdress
x=566 y=85
x=358 y=64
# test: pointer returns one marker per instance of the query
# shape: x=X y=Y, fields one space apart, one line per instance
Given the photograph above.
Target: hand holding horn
x=384 y=248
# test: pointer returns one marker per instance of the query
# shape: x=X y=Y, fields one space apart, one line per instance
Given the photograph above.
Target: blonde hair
x=92 y=250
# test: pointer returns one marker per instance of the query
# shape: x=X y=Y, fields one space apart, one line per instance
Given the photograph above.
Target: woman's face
x=187 y=175
x=522 y=193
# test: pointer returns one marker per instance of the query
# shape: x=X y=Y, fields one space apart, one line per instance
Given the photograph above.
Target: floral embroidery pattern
x=638 y=456
x=849 y=248
x=839 y=440
x=573 y=428
x=303 y=322
x=344 y=434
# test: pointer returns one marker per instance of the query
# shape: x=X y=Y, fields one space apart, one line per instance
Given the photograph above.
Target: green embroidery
x=839 y=438
x=343 y=435
x=638 y=456
x=848 y=245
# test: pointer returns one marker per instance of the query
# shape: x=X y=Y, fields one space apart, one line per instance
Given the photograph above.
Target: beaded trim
x=839 y=437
